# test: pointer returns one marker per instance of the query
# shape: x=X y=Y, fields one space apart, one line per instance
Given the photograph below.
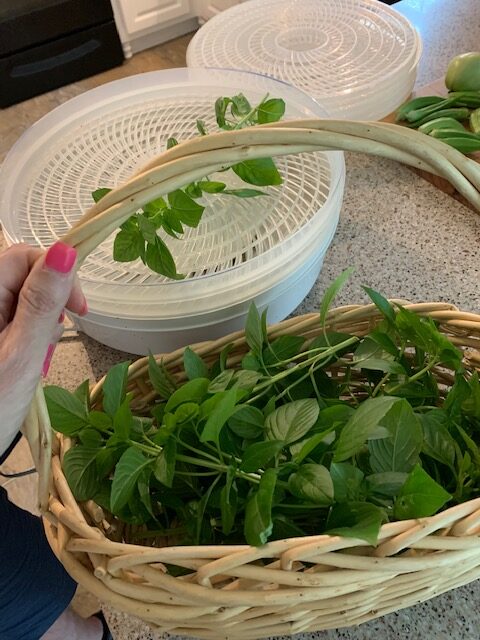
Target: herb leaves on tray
x=138 y=236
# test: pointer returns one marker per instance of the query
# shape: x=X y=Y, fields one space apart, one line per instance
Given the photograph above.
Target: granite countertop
x=406 y=239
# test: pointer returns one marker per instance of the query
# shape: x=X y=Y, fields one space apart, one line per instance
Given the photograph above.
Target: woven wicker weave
x=286 y=586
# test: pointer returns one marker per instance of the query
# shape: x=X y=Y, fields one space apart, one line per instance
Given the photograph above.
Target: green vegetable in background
x=441 y=123
x=475 y=121
x=463 y=72
x=438 y=116
x=276 y=445
x=139 y=237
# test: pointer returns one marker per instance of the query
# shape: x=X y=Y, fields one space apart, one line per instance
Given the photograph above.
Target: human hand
x=35 y=287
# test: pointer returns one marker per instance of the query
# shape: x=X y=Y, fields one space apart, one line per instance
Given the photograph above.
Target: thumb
x=42 y=299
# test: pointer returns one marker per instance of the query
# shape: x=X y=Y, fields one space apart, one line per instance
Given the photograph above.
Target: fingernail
x=61 y=317
x=48 y=359
x=60 y=257
x=84 y=309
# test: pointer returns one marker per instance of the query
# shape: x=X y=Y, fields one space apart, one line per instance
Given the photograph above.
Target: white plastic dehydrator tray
x=267 y=249
x=358 y=58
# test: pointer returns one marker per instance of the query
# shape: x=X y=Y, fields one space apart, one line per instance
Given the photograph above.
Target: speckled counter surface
x=404 y=238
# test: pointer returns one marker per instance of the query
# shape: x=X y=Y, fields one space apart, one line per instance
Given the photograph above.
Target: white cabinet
x=145 y=23
x=146 y=14
x=206 y=9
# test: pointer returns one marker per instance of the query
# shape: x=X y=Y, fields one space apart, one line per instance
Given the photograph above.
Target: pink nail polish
x=48 y=359
x=84 y=309
x=61 y=317
x=60 y=257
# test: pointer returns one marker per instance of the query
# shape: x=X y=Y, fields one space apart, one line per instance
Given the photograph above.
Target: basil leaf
x=244 y=193
x=221 y=105
x=82 y=392
x=114 y=388
x=201 y=128
x=171 y=221
x=219 y=416
x=98 y=194
x=282 y=348
x=423 y=333
x=127 y=472
x=147 y=229
x=438 y=442
x=401 y=450
x=143 y=487
x=128 y=246
x=251 y=363
x=420 y=496
x=361 y=425
x=211 y=187
x=172 y=142
x=259 y=454
x=188 y=211
x=258 y=510
x=271 y=110
x=202 y=505
x=228 y=507
x=254 y=333
x=360 y=520
x=221 y=382
x=81 y=473
x=154 y=207
x=384 y=341
x=382 y=304
x=247 y=422
x=193 y=364
x=164 y=468
x=379 y=364
x=162 y=381
x=90 y=438
x=240 y=105
x=347 y=482
x=123 y=420
x=246 y=379
x=159 y=259
x=471 y=405
x=301 y=450
x=107 y=458
x=292 y=421
x=332 y=292
x=67 y=412
x=312 y=483
x=261 y=172
x=186 y=412
x=387 y=484
x=192 y=391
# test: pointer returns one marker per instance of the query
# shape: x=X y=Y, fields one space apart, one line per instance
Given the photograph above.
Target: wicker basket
x=286 y=586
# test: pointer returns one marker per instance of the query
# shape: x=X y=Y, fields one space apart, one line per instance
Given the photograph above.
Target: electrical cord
x=19 y=474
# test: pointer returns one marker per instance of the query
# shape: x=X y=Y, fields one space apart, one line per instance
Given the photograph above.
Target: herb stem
x=217 y=467
x=416 y=376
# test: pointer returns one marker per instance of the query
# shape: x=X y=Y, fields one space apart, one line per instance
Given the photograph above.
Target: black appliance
x=45 y=44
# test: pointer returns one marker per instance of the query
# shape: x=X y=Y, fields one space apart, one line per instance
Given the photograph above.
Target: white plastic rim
x=144 y=336
x=241 y=249
x=354 y=56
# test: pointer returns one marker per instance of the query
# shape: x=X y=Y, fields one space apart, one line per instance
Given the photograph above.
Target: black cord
x=19 y=474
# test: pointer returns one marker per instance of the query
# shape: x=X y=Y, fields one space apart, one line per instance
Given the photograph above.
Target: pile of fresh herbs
x=334 y=434
x=139 y=235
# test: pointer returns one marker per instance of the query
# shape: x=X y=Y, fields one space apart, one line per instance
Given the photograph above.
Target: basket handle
x=193 y=159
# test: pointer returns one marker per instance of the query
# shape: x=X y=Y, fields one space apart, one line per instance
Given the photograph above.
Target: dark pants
x=34 y=587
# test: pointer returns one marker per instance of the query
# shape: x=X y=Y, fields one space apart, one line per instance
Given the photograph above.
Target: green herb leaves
x=143 y=235
x=301 y=436
x=292 y=421
x=420 y=496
